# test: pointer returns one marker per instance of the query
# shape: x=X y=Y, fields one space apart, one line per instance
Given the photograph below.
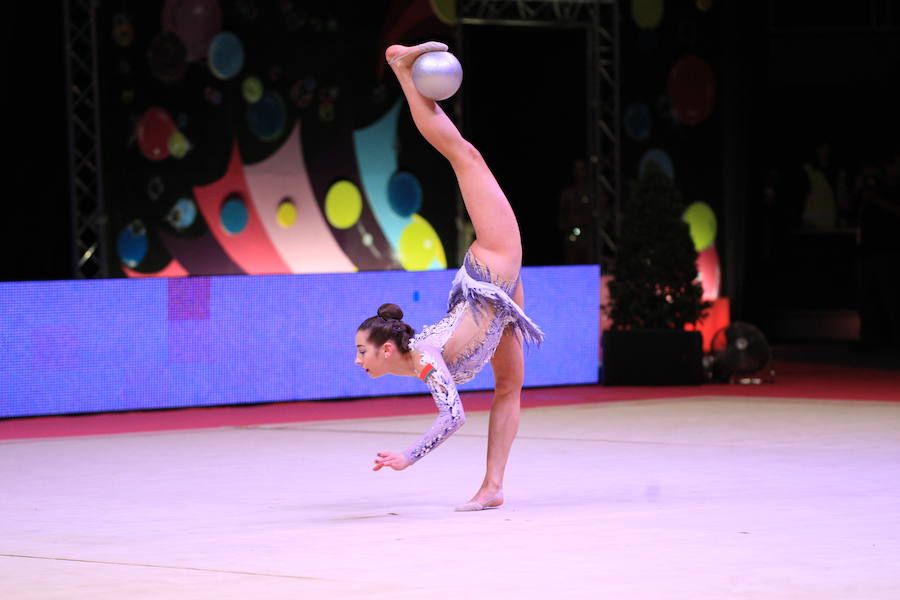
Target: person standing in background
x=826 y=189
x=879 y=220
x=581 y=213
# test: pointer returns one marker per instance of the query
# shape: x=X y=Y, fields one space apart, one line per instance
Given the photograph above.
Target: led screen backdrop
x=129 y=344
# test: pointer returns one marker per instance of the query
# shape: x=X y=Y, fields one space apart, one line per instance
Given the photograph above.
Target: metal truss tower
x=89 y=239
x=600 y=20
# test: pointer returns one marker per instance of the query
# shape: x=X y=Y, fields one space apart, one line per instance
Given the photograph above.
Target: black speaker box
x=652 y=357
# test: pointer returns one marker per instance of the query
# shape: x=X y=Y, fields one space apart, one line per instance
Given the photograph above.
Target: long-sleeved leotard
x=458 y=346
x=450 y=410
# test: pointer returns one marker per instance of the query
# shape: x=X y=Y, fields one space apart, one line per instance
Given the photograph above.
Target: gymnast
x=485 y=321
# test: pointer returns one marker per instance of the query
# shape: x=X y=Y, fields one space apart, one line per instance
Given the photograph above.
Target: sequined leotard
x=455 y=349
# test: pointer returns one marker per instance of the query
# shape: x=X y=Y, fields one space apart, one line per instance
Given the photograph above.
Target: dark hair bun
x=388 y=325
x=390 y=311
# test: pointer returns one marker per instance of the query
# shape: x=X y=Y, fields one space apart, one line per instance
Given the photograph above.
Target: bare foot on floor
x=485 y=498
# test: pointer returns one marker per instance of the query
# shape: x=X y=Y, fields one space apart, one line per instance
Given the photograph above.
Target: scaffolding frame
x=88 y=216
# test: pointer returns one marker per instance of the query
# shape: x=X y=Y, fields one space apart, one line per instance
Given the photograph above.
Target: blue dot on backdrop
x=226 y=55
x=266 y=117
x=662 y=160
x=132 y=243
x=404 y=193
x=637 y=121
x=234 y=214
x=183 y=214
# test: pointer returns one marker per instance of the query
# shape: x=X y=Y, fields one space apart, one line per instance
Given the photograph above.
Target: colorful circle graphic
x=286 y=213
x=123 y=31
x=226 y=55
x=662 y=160
x=692 y=88
x=195 y=22
x=404 y=193
x=709 y=271
x=267 y=118
x=132 y=243
x=420 y=246
x=343 y=204
x=647 y=14
x=234 y=214
x=154 y=129
x=178 y=144
x=183 y=214
x=252 y=89
x=702 y=221
x=445 y=10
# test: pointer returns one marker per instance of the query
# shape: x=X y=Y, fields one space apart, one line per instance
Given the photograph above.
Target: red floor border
x=793 y=380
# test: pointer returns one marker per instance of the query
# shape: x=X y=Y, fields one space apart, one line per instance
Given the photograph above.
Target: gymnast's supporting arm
x=450 y=412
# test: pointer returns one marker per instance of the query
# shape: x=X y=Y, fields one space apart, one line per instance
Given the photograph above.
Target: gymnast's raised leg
x=497 y=243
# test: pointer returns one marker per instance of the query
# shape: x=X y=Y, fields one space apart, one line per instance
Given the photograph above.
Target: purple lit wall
x=123 y=344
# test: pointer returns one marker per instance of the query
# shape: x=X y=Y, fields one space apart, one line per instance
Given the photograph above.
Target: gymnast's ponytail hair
x=388 y=325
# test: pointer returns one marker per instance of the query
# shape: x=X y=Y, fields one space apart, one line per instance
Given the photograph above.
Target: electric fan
x=740 y=354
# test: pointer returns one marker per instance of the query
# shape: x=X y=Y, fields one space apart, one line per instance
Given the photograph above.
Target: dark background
x=36 y=228
x=788 y=74
x=525 y=110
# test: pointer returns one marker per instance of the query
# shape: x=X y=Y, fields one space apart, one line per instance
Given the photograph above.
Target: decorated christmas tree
x=655 y=283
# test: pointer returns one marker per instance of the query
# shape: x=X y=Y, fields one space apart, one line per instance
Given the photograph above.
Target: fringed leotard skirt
x=480 y=309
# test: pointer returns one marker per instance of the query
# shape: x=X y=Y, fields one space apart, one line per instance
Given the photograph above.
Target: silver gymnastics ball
x=437 y=75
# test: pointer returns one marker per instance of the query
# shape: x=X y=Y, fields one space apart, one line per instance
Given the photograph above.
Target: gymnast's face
x=370 y=357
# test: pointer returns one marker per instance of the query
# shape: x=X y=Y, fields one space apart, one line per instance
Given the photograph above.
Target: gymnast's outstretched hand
x=394 y=460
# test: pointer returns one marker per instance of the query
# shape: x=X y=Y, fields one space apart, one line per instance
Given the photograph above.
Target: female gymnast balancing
x=485 y=321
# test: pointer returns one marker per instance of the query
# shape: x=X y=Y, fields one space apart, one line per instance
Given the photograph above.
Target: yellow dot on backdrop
x=702 y=221
x=252 y=89
x=343 y=204
x=286 y=214
x=178 y=144
x=647 y=14
x=445 y=10
x=420 y=246
x=704 y=4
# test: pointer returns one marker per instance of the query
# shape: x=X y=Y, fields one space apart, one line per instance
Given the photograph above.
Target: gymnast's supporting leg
x=508 y=365
x=497 y=241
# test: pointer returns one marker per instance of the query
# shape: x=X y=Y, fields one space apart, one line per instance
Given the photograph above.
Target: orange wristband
x=426 y=371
